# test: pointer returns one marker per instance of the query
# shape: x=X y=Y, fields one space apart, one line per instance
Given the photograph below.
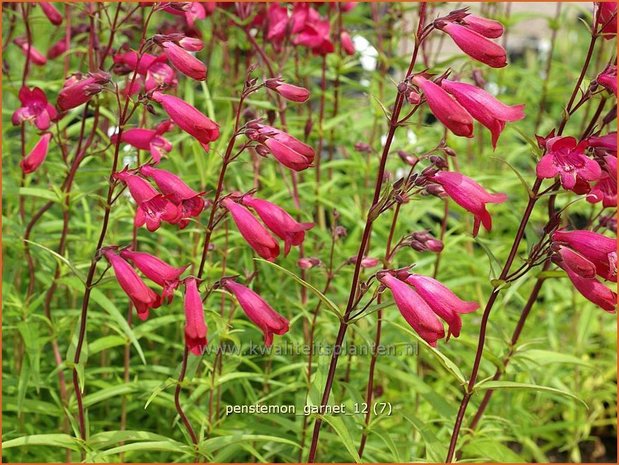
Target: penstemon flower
x=184 y=61
x=51 y=12
x=600 y=251
x=195 y=325
x=147 y=139
x=35 y=109
x=258 y=311
x=475 y=45
x=37 y=155
x=79 y=89
x=288 y=150
x=288 y=91
x=143 y=297
x=29 y=50
x=469 y=195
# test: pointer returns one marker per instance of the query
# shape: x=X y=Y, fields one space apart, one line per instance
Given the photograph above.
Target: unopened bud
x=308 y=262
x=362 y=147
x=408 y=158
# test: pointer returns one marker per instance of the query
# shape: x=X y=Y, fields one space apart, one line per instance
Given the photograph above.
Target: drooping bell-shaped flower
x=469 y=195
x=414 y=309
x=347 y=44
x=484 y=26
x=482 y=106
x=51 y=12
x=315 y=34
x=156 y=270
x=607 y=19
x=475 y=45
x=195 y=324
x=288 y=91
x=258 y=311
x=188 y=118
x=279 y=221
x=446 y=109
x=79 y=89
x=146 y=139
x=442 y=301
x=608 y=78
x=152 y=207
x=37 y=155
x=184 y=61
x=29 y=50
x=34 y=108
x=565 y=157
x=252 y=230
x=288 y=150
x=598 y=249
x=189 y=201
x=142 y=296
x=605 y=190
x=593 y=290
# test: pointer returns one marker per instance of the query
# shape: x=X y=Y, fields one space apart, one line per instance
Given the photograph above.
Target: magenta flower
x=605 y=190
x=156 y=270
x=289 y=151
x=258 y=311
x=414 y=309
x=37 y=155
x=608 y=78
x=484 y=26
x=594 y=291
x=129 y=61
x=278 y=221
x=188 y=118
x=288 y=91
x=142 y=296
x=276 y=24
x=57 y=49
x=469 y=195
x=423 y=241
x=79 y=89
x=599 y=250
x=195 y=325
x=51 y=12
x=34 y=108
x=575 y=262
x=315 y=34
x=160 y=75
x=606 y=143
x=482 y=106
x=566 y=158
x=442 y=301
x=191 y=10
x=184 y=61
x=476 y=45
x=152 y=207
x=147 y=139
x=346 y=42
x=446 y=109
x=607 y=19
x=252 y=231
x=36 y=57
x=190 y=202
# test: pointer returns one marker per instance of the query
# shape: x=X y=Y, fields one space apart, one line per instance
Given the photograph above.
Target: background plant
x=130 y=369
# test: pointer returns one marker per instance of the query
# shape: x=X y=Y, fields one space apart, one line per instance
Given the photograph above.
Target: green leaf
x=493 y=385
x=342 y=431
x=325 y=300
x=61 y=259
x=54 y=440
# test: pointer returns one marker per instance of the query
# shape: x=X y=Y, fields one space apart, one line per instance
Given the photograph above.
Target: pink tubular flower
x=189 y=201
x=442 y=301
x=276 y=24
x=252 y=231
x=347 y=45
x=195 y=325
x=315 y=34
x=57 y=49
x=152 y=207
x=37 y=155
x=278 y=221
x=565 y=157
x=156 y=270
x=146 y=139
x=128 y=61
x=608 y=78
x=52 y=13
x=184 y=61
x=476 y=45
x=289 y=151
x=36 y=57
x=35 y=108
x=607 y=143
x=188 y=118
x=482 y=106
x=142 y=296
x=191 y=44
x=446 y=108
x=607 y=18
x=484 y=26
x=79 y=89
x=599 y=250
x=469 y=195
x=605 y=190
x=594 y=291
x=258 y=311
x=288 y=91
x=575 y=262
x=414 y=309
x=160 y=75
